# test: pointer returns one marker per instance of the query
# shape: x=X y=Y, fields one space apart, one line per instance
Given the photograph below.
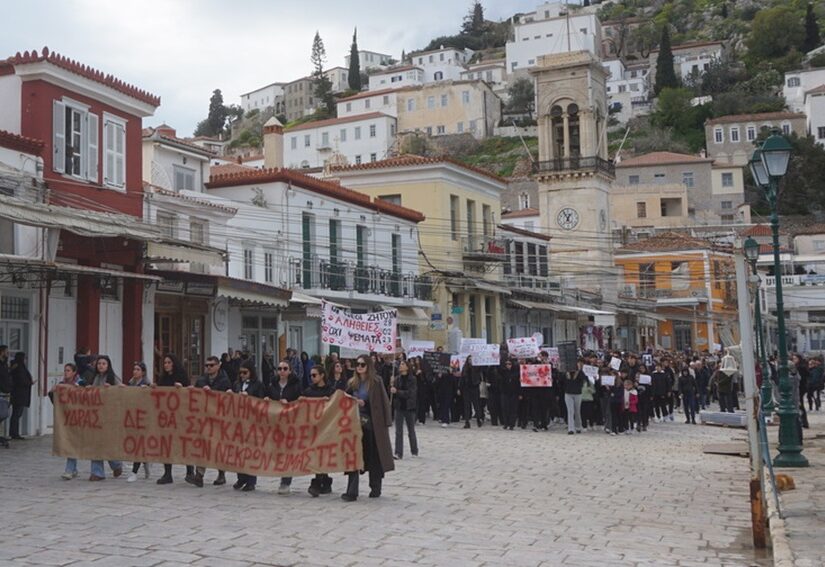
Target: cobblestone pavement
x=474 y=497
x=804 y=507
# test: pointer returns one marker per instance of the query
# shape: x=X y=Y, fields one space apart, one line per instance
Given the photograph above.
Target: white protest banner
x=608 y=380
x=364 y=332
x=525 y=347
x=418 y=348
x=644 y=379
x=615 y=363
x=553 y=356
x=482 y=353
x=539 y=338
x=592 y=372
x=456 y=362
x=536 y=376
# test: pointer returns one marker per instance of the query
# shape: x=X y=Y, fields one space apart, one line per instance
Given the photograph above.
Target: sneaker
x=132 y=477
x=579 y=431
x=444 y=425
x=95 y=478
x=570 y=433
x=147 y=471
x=284 y=489
x=326 y=489
x=613 y=433
x=68 y=475
x=671 y=417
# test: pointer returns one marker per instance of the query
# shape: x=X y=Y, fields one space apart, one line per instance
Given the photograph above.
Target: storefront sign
x=220 y=314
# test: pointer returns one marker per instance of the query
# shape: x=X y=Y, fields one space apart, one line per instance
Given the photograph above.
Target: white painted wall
x=391 y=79
x=386 y=103
x=815 y=111
x=543 y=36
x=262 y=98
x=111 y=332
x=449 y=62
x=297 y=154
x=10 y=102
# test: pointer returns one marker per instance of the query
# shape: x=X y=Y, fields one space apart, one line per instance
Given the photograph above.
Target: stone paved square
x=474 y=497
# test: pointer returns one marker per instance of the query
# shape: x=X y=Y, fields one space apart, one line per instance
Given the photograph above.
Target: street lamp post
x=768 y=165
x=751 y=247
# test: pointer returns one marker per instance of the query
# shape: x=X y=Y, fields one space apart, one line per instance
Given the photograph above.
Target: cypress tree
x=354 y=64
x=665 y=73
x=812 y=38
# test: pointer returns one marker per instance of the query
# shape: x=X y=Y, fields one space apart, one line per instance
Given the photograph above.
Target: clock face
x=568 y=218
x=602 y=220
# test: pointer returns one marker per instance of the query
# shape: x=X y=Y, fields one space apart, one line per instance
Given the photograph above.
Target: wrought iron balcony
x=667 y=293
x=575 y=164
x=538 y=283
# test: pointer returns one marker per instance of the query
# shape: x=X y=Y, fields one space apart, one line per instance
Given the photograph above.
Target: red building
x=90 y=124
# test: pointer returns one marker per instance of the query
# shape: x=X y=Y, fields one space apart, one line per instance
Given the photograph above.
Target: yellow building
x=692 y=283
x=458 y=247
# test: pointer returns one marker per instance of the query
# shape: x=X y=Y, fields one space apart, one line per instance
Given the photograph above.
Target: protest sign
x=615 y=363
x=438 y=362
x=568 y=356
x=592 y=372
x=536 y=376
x=364 y=332
x=524 y=347
x=482 y=353
x=456 y=362
x=644 y=379
x=220 y=430
x=417 y=348
x=647 y=359
x=553 y=356
x=608 y=380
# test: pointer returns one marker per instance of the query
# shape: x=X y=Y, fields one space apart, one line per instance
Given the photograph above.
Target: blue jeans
x=71 y=465
x=97 y=467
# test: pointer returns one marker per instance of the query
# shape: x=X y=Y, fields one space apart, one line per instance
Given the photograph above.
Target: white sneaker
x=613 y=433
x=132 y=477
x=670 y=417
x=284 y=489
x=444 y=425
x=68 y=475
x=147 y=472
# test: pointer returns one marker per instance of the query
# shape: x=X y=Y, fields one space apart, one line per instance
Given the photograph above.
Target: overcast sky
x=183 y=49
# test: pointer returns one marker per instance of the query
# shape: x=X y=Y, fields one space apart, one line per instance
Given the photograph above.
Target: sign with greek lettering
x=220 y=430
x=364 y=332
x=417 y=348
x=536 y=376
x=524 y=347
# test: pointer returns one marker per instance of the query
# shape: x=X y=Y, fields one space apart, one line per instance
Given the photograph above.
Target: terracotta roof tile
x=668 y=242
x=734 y=118
x=226 y=168
x=661 y=158
x=20 y=143
x=335 y=121
x=409 y=160
x=149 y=188
x=816 y=90
x=327 y=188
x=521 y=214
x=84 y=71
x=817 y=228
x=757 y=230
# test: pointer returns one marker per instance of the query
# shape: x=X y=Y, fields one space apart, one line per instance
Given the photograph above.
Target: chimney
x=273 y=144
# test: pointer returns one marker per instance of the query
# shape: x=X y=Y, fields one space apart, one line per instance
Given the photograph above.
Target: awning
x=252 y=294
x=162 y=252
x=525 y=304
x=36 y=265
x=465 y=284
x=485 y=286
x=298 y=297
x=414 y=316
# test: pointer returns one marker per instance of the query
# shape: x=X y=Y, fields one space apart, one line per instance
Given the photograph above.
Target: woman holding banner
x=105 y=376
x=248 y=385
x=374 y=410
x=173 y=374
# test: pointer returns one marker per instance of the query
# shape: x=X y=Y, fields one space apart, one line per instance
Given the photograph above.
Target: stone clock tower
x=573 y=173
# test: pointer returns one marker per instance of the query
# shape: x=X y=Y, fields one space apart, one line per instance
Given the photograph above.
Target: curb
x=780 y=543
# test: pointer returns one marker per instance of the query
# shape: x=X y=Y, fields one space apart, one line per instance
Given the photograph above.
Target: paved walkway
x=804 y=508
x=477 y=497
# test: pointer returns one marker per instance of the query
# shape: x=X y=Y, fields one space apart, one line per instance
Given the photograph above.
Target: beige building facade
x=449 y=107
x=732 y=139
x=299 y=99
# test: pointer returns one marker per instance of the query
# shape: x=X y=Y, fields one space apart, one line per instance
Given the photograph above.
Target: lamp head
x=760 y=175
x=751 y=248
x=776 y=153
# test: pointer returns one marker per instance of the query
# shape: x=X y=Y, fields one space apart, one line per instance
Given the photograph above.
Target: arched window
x=524 y=201
x=557 y=129
x=573 y=129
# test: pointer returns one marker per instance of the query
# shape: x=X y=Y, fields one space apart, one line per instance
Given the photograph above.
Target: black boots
x=352 y=487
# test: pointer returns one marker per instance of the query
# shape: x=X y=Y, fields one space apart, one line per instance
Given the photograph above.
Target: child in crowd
x=631 y=407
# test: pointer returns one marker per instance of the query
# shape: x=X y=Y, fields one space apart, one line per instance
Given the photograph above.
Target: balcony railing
x=540 y=283
x=673 y=293
x=316 y=273
x=574 y=164
x=800 y=280
x=484 y=248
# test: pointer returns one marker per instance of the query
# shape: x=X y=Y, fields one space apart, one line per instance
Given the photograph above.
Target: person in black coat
x=510 y=386
x=404 y=395
x=285 y=388
x=173 y=374
x=319 y=388
x=214 y=379
x=21 y=393
x=469 y=389
x=493 y=377
x=445 y=390
x=248 y=384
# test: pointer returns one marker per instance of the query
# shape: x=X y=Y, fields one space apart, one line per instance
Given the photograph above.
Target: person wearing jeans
x=404 y=396
x=105 y=376
x=573 y=399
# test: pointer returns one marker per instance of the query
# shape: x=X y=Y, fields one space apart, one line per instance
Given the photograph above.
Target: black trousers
x=353 y=482
x=494 y=405
x=588 y=414
x=538 y=408
x=523 y=411
x=509 y=410
x=617 y=418
x=14 y=421
x=472 y=401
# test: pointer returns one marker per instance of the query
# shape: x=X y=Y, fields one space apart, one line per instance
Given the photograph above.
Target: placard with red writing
x=361 y=332
x=220 y=430
x=536 y=376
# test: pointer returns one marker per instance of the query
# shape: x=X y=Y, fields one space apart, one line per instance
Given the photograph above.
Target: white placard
x=645 y=379
x=364 y=332
x=524 y=347
x=592 y=372
x=418 y=348
x=608 y=380
x=615 y=363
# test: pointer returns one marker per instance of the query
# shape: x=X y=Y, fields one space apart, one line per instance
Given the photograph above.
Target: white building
x=264 y=97
x=322 y=240
x=443 y=64
x=339 y=77
x=370 y=60
x=815 y=113
x=627 y=89
x=384 y=101
x=526 y=218
x=691 y=58
x=797 y=83
x=553 y=28
x=493 y=72
x=396 y=77
x=359 y=139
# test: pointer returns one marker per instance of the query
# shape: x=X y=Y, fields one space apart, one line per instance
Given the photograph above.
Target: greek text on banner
x=206 y=428
x=363 y=332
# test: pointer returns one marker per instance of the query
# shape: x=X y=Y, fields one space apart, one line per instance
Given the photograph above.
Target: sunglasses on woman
x=283 y=368
x=361 y=365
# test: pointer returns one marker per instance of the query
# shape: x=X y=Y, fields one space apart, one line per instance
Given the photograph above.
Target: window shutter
x=58 y=136
x=93 y=159
x=120 y=155
x=109 y=153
